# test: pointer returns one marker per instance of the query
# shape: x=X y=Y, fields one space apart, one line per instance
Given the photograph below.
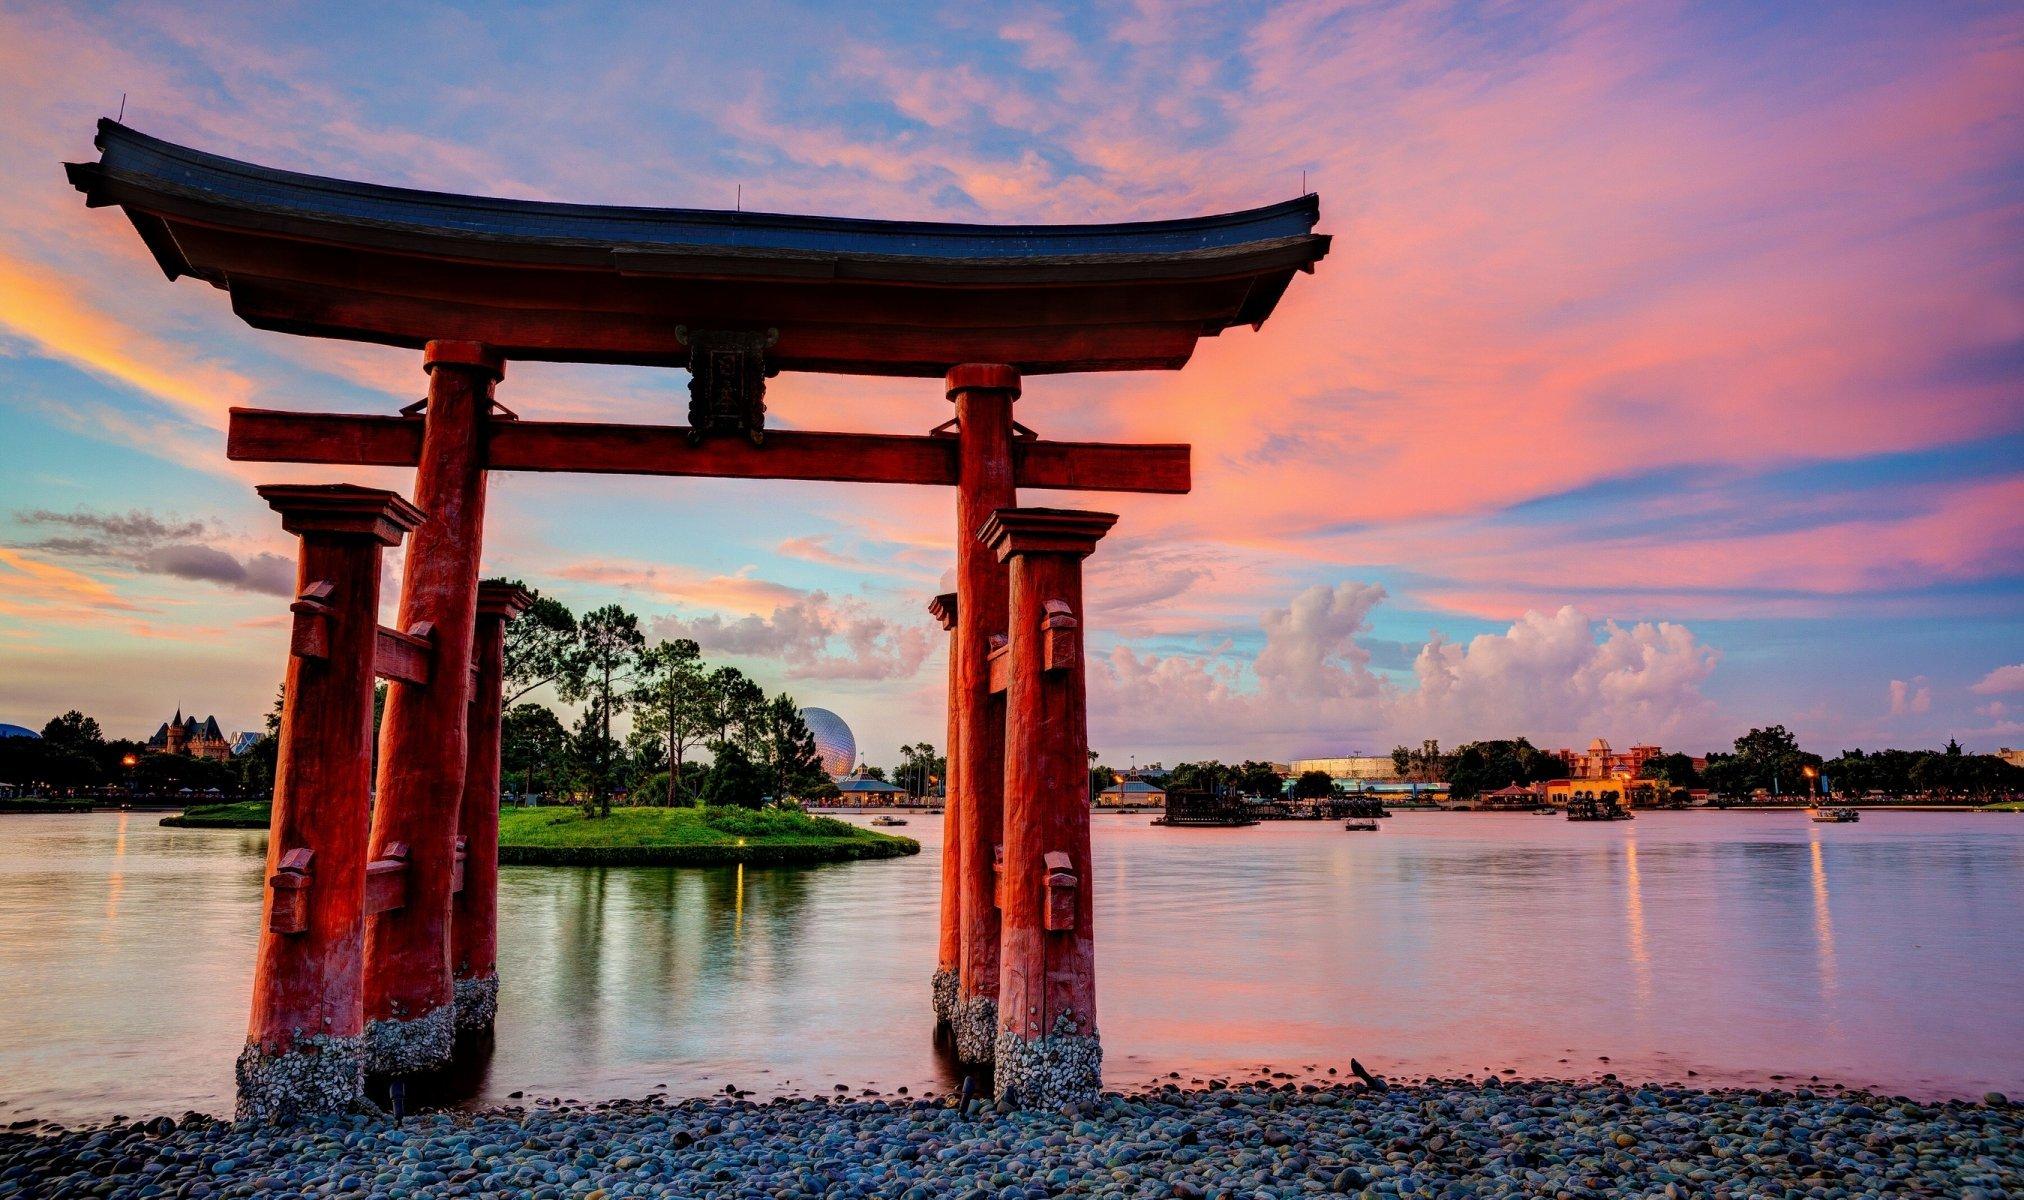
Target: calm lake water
x=1738 y=946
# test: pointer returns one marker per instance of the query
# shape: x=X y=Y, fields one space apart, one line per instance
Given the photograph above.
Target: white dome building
x=834 y=743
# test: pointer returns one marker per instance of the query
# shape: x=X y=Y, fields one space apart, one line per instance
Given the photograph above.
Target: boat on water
x=1833 y=816
x=886 y=819
x=1206 y=811
x=1364 y=826
x=1585 y=808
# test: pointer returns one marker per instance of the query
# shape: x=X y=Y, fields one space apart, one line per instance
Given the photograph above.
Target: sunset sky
x=1666 y=377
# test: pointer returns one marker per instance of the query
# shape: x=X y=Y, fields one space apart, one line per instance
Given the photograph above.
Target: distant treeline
x=73 y=756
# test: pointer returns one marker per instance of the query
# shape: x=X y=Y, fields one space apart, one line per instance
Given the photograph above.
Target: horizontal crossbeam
x=263 y=435
x=405 y=657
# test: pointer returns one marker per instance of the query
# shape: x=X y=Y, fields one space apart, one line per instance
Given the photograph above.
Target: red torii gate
x=379 y=942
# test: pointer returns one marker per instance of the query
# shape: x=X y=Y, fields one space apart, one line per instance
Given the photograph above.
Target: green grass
x=687 y=837
x=247 y=814
x=674 y=837
x=2006 y=806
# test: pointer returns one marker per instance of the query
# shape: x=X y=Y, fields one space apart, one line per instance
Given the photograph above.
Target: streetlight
x=1810 y=773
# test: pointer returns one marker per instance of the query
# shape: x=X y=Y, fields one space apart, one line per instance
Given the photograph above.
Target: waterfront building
x=1373 y=768
x=185 y=736
x=8 y=731
x=1601 y=762
x=2014 y=757
x=1511 y=799
x=862 y=789
x=1132 y=793
x=1625 y=791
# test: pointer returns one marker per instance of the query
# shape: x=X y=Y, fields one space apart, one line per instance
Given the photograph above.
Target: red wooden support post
x=983 y=393
x=949 y=946
x=1047 y=1051
x=474 y=915
x=305 y=1044
x=409 y=997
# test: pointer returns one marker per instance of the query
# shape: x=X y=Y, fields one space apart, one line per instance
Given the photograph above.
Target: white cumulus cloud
x=1555 y=677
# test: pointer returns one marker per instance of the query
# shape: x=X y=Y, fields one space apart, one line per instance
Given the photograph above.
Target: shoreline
x=1263 y=1137
x=807 y=845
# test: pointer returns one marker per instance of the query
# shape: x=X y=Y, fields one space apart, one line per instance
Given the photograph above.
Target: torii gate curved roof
x=597 y=283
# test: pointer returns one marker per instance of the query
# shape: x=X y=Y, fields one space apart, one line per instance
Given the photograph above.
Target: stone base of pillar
x=477 y=1004
x=322 y=1075
x=1064 y=1068
x=943 y=987
x=974 y=1021
x=413 y=1046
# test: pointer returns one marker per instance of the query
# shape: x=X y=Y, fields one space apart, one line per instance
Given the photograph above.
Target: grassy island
x=247 y=814
x=687 y=837
x=672 y=837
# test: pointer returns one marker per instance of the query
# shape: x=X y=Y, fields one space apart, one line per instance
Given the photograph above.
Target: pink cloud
x=1554 y=677
x=2001 y=681
x=814 y=637
x=1913 y=698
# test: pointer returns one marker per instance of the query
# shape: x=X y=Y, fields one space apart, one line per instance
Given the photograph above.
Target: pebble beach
x=1256 y=1140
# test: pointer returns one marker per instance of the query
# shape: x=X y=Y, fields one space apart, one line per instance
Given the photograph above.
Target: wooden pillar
x=410 y=1010
x=305 y=1045
x=474 y=912
x=983 y=393
x=1047 y=1052
x=949 y=946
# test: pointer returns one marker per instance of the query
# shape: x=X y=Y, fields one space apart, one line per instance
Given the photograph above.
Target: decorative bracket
x=727 y=381
x=1059 y=916
x=386 y=880
x=998 y=669
x=290 y=884
x=310 y=637
x=1058 y=631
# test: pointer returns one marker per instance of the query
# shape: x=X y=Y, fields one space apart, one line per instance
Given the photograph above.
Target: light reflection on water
x=1734 y=945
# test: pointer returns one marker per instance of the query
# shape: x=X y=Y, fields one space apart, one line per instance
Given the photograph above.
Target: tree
x=1313 y=785
x=603 y=667
x=1486 y=766
x=1772 y=760
x=1259 y=779
x=734 y=780
x=1424 y=765
x=541 y=647
x=1674 y=769
x=1212 y=778
x=597 y=758
x=533 y=743
x=672 y=700
x=920 y=767
x=1728 y=776
x=793 y=764
x=73 y=731
x=734 y=707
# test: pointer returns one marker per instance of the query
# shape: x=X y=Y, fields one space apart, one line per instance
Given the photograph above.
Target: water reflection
x=116 y=879
x=1823 y=933
x=1634 y=927
x=1445 y=943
